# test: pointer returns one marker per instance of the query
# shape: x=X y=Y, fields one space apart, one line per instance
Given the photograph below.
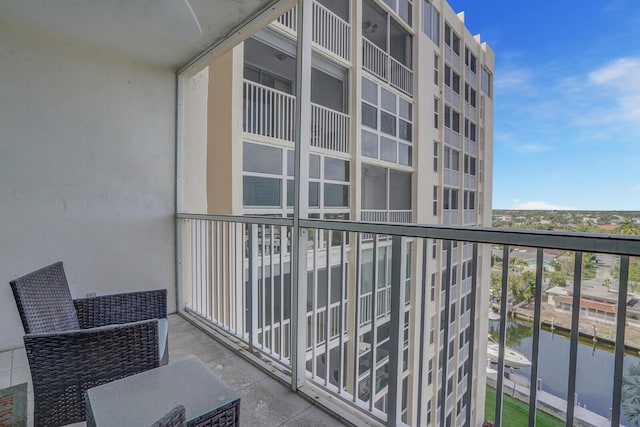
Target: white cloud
x=538 y=205
x=531 y=148
x=620 y=82
x=636 y=189
x=512 y=78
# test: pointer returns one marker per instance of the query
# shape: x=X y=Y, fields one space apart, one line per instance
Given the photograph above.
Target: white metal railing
x=382 y=65
x=234 y=278
x=470 y=181
x=469 y=216
x=271 y=113
x=375 y=60
x=452 y=58
x=470 y=112
x=451 y=177
x=330 y=31
x=289 y=19
x=452 y=138
x=452 y=97
x=268 y=112
x=470 y=147
x=383 y=215
x=400 y=76
x=329 y=129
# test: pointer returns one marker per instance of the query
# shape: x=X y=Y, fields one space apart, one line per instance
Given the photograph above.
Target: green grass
x=516 y=413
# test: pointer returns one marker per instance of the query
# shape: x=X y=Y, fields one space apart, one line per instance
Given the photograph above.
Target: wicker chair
x=73 y=345
x=174 y=418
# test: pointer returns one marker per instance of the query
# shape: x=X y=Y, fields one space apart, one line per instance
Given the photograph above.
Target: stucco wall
x=87 y=169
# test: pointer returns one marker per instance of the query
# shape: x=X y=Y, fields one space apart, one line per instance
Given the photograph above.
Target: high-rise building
x=401 y=132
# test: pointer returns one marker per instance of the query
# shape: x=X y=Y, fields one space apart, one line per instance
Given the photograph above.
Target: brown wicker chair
x=174 y=418
x=73 y=345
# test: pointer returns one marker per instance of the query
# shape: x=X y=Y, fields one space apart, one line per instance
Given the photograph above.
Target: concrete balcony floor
x=264 y=400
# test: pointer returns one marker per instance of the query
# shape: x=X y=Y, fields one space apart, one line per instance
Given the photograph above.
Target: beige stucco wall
x=224 y=140
x=87 y=169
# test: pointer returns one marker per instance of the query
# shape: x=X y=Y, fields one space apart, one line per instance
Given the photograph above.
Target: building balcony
x=240 y=291
x=330 y=32
x=270 y=113
x=385 y=67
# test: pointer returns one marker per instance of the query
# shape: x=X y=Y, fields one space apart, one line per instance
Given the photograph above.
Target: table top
x=144 y=398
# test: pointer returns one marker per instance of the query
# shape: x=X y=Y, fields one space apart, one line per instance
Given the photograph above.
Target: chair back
x=44 y=301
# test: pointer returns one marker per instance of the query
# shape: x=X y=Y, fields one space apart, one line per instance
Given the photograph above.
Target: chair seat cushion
x=163 y=332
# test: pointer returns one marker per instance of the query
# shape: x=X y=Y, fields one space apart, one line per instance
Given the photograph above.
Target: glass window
x=399 y=190
x=388 y=149
x=374 y=187
x=405 y=154
x=261 y=158
x=314 y=194
x=405 y=109
x=369 y=144
x=369 y=116
x=404 y=130
x=369 y=91
x=336 y=195
x=336 y=169
x=314 y=166
x=388 y=100
x=291 y=192
x=260 y=191
x=387 y=123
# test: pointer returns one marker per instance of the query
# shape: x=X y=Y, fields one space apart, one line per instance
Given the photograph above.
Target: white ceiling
x=163 y=33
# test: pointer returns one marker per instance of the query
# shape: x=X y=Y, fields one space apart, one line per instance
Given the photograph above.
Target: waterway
x=594 y=374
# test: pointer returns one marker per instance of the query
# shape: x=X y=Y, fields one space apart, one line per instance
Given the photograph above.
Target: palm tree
x=631 y=394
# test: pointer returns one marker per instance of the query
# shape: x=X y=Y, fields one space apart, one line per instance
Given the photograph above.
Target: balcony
x=329 y=32
x=253 y=284
x=383 y=215
x=385 y=67
x=264 y=400
x=270 y=113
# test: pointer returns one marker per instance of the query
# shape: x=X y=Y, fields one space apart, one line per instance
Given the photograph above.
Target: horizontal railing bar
x=585 y=242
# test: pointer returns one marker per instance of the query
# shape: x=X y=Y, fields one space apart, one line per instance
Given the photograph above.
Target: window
x=434 y=248
x=434 y=279
x=470 y=59
x=486 y=82
x=431 y=22
x=451 y=39
x=451 y=159
x=430 y=372
x=452 y=315
x=385 y=189
x=432 y=324
x=469 y=165
x=436 y=69
x=451 y=119
x=451 y=79
x=469 y=199
x=470 y=95
x=450 y=198
x=435 y=200
x=435 y=156
x=436 y=112
x=388 y=125
x=469 y=130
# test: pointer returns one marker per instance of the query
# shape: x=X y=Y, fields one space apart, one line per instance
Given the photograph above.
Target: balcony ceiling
x=164 y=33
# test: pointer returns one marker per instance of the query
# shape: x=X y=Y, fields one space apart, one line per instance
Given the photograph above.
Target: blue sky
x=567 y=101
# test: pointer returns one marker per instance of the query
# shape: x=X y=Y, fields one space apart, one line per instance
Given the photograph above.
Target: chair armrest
x=65 y=365
x=121 y=308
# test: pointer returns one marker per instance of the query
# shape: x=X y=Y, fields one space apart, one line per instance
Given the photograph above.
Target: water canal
x=594 y=375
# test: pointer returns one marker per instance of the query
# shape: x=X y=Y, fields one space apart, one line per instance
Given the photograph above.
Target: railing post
x=398 y=269
x=252 y=292
x=300 y=210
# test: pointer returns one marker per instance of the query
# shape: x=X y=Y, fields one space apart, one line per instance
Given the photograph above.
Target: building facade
x=401 y=132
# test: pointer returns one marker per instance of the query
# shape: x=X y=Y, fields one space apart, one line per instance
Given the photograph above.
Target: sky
x=566 y=101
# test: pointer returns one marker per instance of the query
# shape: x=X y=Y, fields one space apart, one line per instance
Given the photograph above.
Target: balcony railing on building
x=367 y=298
x=384 y=66
x=271 y=113
x=329 y=31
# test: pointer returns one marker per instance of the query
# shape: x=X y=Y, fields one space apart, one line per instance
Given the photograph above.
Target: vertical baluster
x=341 y=329
x=575 y=335
x=327 y=312
x=314 y=298
x=252 y=292
x=374 y=332
x=621 y=320
x=263 y=285
x=272 y=291
x=533 y=383
x=358 y=308
x=283 y=237
x=503 y=334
